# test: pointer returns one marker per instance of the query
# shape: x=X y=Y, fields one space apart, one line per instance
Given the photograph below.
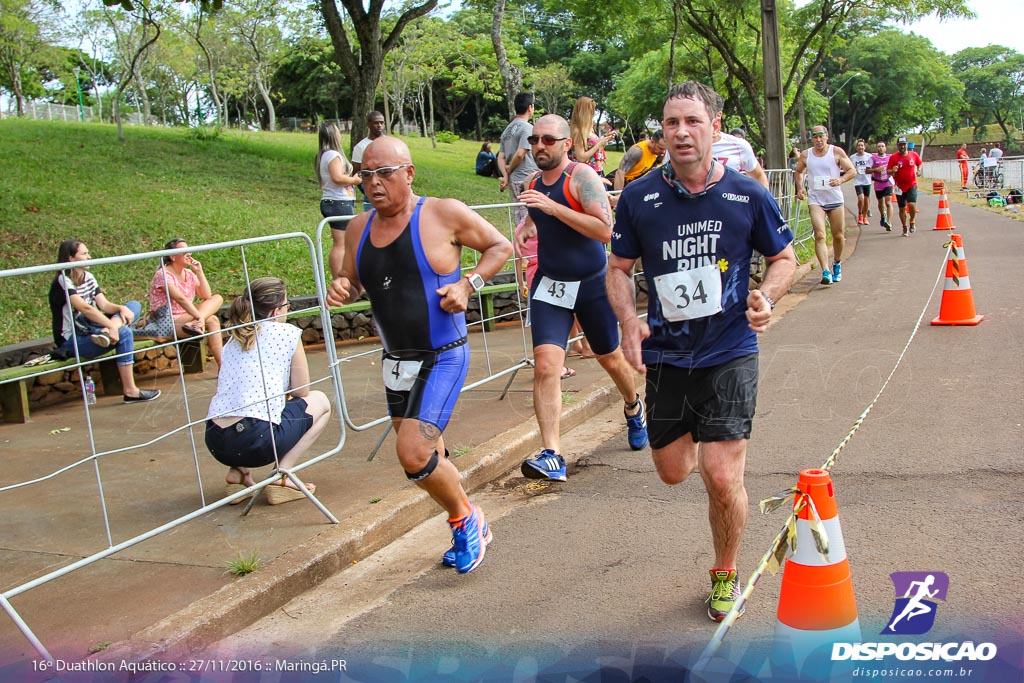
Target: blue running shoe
x=837 y=272
x=826 y=277
x=468 y=539
x=547 y=465
x=636 y=426
x=448 y=559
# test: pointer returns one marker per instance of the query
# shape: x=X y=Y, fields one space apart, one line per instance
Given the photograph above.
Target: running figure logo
x=914 y=612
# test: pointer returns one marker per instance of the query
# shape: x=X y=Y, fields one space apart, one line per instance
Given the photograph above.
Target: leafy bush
x=204 y=133
x=447 y=137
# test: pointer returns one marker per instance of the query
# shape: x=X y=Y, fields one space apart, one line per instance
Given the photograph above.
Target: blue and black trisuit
x=425 y=357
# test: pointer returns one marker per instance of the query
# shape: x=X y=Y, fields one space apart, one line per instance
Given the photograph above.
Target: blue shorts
x=550 y=324
x=435 y=389
x=247 y=443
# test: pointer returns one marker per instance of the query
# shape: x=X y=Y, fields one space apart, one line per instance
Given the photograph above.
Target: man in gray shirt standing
x=515 y=160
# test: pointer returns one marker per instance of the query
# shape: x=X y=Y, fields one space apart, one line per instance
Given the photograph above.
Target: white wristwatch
x=475 y=281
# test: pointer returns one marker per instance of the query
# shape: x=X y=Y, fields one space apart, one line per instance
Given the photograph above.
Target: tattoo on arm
x=630 y=159
x=591 y=190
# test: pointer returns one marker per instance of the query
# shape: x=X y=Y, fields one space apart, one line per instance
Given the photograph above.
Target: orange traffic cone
x=944 y=221
x=816 y=603
x=957 y=306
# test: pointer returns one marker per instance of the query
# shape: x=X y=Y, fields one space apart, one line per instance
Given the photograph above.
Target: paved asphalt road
x=609 y=570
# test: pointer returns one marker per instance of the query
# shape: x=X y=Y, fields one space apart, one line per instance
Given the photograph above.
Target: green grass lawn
x=64 y=180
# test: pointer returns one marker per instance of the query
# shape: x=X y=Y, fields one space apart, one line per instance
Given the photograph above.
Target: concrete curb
x=249 y=599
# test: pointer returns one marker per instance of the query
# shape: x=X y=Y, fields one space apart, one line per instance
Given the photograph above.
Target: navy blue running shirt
x=671 y=234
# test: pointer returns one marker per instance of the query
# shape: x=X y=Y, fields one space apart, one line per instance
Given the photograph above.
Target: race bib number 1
x=690 y=294
x=400 y=375
x=557 y=293
x=822 y=182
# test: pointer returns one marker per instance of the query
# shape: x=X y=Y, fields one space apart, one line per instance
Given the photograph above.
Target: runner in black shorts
x=694 y=226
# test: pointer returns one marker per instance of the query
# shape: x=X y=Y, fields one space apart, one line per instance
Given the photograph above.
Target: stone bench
x=15 y=381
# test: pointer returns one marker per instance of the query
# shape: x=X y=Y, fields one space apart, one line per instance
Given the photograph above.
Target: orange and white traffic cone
x=944 y=221
x=957 y=307
x=816 y=603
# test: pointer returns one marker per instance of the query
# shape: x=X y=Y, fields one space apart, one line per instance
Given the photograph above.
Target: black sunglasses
x=546 y=139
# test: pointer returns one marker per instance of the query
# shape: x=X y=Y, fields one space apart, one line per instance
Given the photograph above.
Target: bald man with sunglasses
x=406 y=253
x=572 y=220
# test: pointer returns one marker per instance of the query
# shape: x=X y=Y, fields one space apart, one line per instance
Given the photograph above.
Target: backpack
x=1015 y=196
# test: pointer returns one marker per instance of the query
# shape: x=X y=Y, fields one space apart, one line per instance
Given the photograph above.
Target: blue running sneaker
x=547 y=465
x=837 y=272
x=636 y=426
x=448 y=559
x=826 y=277
x=469 y=541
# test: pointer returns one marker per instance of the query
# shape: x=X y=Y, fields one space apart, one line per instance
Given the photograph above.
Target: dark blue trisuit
x=565 y=257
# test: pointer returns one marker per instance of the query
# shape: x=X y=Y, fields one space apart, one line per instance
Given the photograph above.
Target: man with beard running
x=571 y=217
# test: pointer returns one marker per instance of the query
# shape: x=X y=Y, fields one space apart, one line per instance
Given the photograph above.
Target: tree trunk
x=430 y=98
x=478 y=104
x=265 y=95
x=19 y=95
x=672 y=46
x=511 y=77
x=364 y=73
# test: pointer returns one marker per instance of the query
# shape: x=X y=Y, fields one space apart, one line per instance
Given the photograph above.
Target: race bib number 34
x=690 y=294
x=557 y=293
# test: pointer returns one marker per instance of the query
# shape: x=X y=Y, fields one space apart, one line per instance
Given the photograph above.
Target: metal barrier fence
x=1011 y=173
x=49 y=111
x=314 y=264
x=781 y=184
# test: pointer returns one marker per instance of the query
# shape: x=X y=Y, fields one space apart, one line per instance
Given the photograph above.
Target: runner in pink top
x=883 y=185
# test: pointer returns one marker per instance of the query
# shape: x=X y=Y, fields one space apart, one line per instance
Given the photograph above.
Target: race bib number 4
x=690 y=294
x=557 y=293
x=400 y=375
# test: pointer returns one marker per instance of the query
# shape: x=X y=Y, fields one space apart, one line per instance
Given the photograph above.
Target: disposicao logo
x=914 y=612
x=917 y=594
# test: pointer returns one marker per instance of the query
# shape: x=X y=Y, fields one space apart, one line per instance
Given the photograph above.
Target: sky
x=998 y=22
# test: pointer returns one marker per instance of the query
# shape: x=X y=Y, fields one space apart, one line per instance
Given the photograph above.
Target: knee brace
x=425 y=472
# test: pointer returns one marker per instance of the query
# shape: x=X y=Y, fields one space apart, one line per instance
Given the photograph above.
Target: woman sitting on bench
x=182 y=277
x=84 y=318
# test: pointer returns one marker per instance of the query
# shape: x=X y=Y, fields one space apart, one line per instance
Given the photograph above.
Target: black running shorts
x=710 y=404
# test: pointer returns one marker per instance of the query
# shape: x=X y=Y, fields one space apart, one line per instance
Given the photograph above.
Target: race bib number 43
x=557 y=293
x=690 y=294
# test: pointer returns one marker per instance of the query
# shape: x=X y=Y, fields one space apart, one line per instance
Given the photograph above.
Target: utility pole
x=774 y=118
